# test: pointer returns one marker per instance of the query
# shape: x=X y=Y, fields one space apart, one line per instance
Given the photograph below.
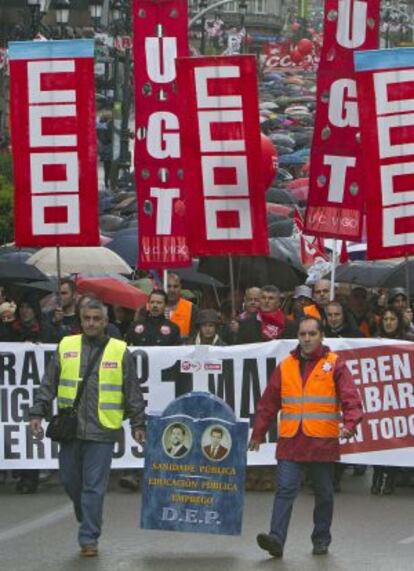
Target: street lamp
x=203 y=6
x=116 y=8
x=95 y=10
x=37 y=9
x=62 y=8
x=243 y=10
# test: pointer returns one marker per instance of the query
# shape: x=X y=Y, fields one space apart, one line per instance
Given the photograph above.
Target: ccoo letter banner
x=386 y=90
x=52 y=98
x=337 y=184
x=160 y=36
x=222 y=155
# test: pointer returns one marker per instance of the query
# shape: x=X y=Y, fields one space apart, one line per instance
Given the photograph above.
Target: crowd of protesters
x=264 y=314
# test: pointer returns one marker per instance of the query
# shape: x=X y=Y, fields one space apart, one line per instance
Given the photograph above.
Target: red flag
x=311 y=247
x=386 y=98
x=160 y=35
x=337 y=181
x=343 y=258
x=222 y=155
x=52 y=100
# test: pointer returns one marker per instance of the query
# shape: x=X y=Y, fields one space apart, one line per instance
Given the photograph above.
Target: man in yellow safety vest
x=110 y=392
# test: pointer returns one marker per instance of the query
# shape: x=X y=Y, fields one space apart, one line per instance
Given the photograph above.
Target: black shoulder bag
x=64 y=425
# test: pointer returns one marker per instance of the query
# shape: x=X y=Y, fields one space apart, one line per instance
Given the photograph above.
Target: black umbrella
x=191 y=275
x=401 y=275
x=366 y=273
x=280 y=196
x=281 y=228
x=13 y=254
x=20 y=272
x=125 y=244
x=254 y=271
x=39 y=288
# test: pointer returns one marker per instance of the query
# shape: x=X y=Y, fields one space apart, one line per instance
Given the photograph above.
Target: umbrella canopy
x=280 y=196
x=125 y=245
x=193 y=276
x=78 y=260
x=40 y=288
x=282 y=268
x=14 y=254
x=399 y=275
x=113 y=291
x=292 y=159
x=20 y=272
x=367 y=273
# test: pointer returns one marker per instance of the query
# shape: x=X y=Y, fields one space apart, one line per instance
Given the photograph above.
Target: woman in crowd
x=391 y=326
x=28 y=325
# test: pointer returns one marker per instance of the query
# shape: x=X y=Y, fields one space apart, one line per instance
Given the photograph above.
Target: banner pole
x=333 y=269
x=59 y=275
x=164 y=279
x=232 y=291
x=407 y=276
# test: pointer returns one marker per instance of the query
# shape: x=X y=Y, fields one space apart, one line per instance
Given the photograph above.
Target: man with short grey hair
x=104 y=370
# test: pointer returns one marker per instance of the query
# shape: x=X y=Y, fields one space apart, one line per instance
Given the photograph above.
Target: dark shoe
x=89 y=550
x=320 y=549
x=26 y=487
x=129 y=482
x=389 y=487
x=376 y=488
x=269 y=543
x=360 y=470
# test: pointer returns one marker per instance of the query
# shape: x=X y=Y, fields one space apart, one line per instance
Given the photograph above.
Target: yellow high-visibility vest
x=110 y=395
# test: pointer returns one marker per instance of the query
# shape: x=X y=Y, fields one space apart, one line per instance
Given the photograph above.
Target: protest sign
x=382 y=370
x=195 y=463
x=52 y=104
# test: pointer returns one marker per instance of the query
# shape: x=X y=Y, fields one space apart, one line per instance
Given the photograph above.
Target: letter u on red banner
x=221 y=149
x=160 y=35
x=52 y=96
x=337 y=183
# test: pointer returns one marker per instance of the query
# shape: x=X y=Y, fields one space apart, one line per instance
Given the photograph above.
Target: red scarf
x=273 y=324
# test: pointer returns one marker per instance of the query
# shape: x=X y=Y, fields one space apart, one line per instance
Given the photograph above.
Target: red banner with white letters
x=337 y=181
x=221 y=152
x=160 y=35
x=52 y=100
x=385 y=81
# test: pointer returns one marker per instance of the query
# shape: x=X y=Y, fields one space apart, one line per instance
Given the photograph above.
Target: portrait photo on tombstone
x=216 y=442
x=177 y=440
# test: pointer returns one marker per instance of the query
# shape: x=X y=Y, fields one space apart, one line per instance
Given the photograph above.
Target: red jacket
x=302 y=448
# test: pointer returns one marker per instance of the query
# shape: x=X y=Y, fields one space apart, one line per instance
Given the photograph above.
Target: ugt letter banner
x=52 y=100
x=385 y=81
x=160 y=36
x=221 y=146
x=337 y=181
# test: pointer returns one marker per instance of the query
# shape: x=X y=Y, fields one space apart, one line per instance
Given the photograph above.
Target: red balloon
x=269 y=160
x=295 y=26
x=305 y=46
x=296 y=56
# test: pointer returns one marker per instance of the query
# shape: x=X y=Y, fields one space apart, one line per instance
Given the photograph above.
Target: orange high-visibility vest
x=181 y=316
x=314 y=405
x=312 y=311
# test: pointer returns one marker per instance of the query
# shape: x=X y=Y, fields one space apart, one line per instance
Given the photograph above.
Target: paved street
x=38 y=533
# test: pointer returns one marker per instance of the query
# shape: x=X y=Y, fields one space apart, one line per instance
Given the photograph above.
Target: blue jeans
x=288 y=481
x=84 y=470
